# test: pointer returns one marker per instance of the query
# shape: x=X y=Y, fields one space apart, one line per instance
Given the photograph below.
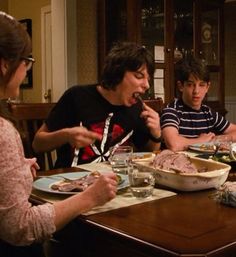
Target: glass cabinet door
x=183 y=28
x=171 y=30
x=210 y=32
x=152 y=36
x=210 y=48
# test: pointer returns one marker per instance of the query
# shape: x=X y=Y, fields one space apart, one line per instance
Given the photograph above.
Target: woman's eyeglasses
x=28 y=62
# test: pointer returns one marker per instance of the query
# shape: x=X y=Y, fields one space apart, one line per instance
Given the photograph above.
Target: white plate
x=44 y=184
x=205 y=148
x=142 y=156
x=215 y=176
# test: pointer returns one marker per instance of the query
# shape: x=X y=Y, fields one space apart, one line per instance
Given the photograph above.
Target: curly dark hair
x=191 y=65
x=125 y=56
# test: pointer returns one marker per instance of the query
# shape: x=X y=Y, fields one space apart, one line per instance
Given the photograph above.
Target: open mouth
x=138 y=97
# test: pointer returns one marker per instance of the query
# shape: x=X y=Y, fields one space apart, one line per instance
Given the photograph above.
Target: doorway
x=46 y=37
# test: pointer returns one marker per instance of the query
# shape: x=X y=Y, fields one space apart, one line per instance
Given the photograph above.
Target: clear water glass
x=120 y=158
x=142 y=182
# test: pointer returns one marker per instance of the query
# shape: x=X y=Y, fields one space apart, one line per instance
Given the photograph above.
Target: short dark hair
x=125 y=56
x=15 y=43
x=191 y=65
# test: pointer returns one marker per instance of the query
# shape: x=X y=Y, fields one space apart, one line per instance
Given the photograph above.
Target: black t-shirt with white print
x=84 y=106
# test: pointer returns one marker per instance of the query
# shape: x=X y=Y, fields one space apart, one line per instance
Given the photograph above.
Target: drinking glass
x=120 y=158
x=222 y=143
x=141 y=181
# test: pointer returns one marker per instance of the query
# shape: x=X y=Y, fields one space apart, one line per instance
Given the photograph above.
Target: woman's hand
x=33 y=166
x=103 y=190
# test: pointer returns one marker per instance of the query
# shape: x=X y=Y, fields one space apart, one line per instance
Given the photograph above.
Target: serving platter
x=214 y=177
x=45 y=184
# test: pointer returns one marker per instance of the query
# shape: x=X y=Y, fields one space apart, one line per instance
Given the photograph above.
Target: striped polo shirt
x=191 y=123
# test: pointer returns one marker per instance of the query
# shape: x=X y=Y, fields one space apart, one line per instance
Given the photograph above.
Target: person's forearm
x=70 y=208
x=177 y=144
x=47 y=141
x=181 y=143
x=152 y=146
x=101 y=191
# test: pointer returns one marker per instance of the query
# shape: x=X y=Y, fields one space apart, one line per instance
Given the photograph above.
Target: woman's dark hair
x=125 y=56
x=191 y=65
x=15 y=43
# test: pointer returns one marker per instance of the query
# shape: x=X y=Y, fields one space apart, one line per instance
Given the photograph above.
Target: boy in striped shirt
x=187 y=120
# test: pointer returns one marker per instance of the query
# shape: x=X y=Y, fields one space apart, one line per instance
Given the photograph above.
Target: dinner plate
x=44 y=184
x=205 y=148
x=142 y=156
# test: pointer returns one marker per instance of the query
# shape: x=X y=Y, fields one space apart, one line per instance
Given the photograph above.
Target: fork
x=217 y=147
x=55 y=177
x=137 y=96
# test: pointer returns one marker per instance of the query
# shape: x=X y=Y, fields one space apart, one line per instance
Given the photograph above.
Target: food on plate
x=208 y=147
x=178 y=162
x=119 y=179
x=142 y=156
x=76 y=185
x=79 y=184
x=145 y=156
x=224 y=146
x=221 y=158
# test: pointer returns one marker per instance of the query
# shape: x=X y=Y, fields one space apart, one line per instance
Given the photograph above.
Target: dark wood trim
x=102 y=39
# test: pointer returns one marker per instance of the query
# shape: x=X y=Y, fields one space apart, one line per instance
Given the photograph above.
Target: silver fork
x=137 y=96
x=55 y=177
x=217 y=147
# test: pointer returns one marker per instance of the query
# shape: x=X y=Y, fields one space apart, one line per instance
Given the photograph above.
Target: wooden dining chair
x=156 y=104
x=28 y=119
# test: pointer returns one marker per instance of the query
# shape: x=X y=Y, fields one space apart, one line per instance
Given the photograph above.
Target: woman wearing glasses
x=21 y=224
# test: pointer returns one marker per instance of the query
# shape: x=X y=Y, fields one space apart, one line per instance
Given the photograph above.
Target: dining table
x=189 y=224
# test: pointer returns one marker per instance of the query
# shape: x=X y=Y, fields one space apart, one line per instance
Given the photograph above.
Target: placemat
x=124 y=198
x=97 y=166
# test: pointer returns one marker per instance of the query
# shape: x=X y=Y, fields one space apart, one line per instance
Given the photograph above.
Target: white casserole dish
x=215 y=176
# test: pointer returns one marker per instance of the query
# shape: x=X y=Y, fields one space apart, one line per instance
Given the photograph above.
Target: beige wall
x=87 y=41
x=86 y=70
x=25 y=9
x=4 y=5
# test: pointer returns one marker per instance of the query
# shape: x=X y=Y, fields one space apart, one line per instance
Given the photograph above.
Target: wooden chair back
x=28 y=118
x=156 y=104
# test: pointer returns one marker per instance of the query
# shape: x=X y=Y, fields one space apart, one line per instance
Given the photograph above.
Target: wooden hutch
x=171 y=29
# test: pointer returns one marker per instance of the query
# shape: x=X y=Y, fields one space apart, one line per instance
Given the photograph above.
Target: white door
x=46 y=38
x=54 y=54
